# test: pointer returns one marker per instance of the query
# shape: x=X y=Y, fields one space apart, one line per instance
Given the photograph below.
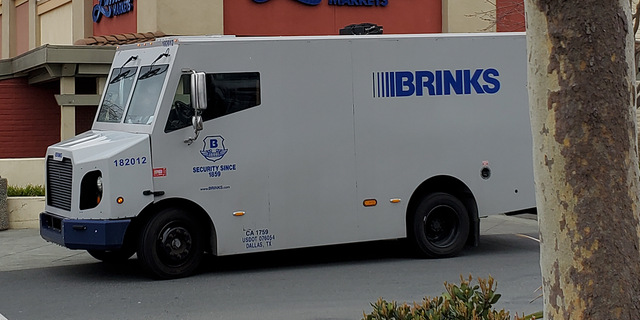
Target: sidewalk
x=25 y=249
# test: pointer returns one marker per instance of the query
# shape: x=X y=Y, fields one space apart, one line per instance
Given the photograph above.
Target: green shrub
x=27 y=191
x=462 y=302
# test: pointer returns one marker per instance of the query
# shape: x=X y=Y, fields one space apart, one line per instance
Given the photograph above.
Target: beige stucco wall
x=185 y=17
x=465 y=16
x=56 y=26
x=8 y=30
x=22 y=27
x=21 y=172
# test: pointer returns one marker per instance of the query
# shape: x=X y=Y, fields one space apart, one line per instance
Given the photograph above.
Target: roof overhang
x=50 y=62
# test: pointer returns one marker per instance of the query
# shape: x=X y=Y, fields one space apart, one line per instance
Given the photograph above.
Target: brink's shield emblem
x=213 y=149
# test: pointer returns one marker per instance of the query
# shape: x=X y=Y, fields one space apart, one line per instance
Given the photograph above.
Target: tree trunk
x=581 y=97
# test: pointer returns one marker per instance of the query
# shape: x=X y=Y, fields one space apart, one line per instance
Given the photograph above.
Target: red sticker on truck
x=159 y=172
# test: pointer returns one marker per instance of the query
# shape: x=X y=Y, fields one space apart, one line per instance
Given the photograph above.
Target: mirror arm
x=196 y=121
x=190 y=140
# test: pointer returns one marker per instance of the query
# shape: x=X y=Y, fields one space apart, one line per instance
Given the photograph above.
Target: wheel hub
x=176 y=242
x=436 y=225
x=441 y=226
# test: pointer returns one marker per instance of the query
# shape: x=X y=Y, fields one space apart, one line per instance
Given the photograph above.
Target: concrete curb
x=24 y=212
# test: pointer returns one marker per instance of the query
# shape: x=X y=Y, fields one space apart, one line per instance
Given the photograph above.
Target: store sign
x=368 y=3
x=111 y=8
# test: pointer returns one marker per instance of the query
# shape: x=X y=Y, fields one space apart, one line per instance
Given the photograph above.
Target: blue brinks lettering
x=426 y=83
x=493 y=83
x=437 y=82
x=451 y=82
x=392 y=80
x=404 y=84
x=470 y=81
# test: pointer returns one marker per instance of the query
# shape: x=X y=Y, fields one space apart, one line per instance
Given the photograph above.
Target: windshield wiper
x=121 y=75
x=165 y=54
x=152 y=72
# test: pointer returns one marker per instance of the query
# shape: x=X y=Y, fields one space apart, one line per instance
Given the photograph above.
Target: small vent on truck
x=59 y=183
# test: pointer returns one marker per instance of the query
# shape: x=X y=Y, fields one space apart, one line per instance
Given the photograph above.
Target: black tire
x=110 y=256
x=171 y=245
x=440 y=226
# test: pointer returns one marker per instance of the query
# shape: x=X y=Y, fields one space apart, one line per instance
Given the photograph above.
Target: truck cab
x=99 y=181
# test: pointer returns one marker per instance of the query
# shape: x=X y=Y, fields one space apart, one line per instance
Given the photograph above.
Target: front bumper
x=83 y=234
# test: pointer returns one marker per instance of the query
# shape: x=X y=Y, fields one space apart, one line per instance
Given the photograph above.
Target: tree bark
x=582 y=98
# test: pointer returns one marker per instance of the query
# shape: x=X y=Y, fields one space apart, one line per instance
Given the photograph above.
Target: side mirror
x=198 y=90
x=198 y=102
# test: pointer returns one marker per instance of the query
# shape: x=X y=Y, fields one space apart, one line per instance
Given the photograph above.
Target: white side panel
x=311 y=145
x=401 y=141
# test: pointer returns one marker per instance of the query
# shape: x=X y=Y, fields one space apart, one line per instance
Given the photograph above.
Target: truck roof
x=232 y=38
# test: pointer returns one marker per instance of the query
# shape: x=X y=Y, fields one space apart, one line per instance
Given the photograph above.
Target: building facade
x=50 y=88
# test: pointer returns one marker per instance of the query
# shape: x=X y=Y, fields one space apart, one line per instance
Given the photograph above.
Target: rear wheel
x=440 y=225
x=171 y=244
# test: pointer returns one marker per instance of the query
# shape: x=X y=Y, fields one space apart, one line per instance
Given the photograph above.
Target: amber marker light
x=370 y=202
x=120 y=200
x=395 y=200
x=238 y=213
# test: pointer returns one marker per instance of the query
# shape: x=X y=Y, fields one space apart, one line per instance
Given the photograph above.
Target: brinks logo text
x=435 y=83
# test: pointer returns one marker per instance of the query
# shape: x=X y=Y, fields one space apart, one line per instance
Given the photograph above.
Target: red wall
x=510 y=15
x=290 y=17
x=29 y=118
x=124 y=23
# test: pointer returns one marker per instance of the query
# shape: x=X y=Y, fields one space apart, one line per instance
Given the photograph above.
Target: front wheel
x=171 y=244
x=440 y=225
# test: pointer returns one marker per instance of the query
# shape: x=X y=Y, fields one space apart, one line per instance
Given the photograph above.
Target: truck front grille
x=59 y=178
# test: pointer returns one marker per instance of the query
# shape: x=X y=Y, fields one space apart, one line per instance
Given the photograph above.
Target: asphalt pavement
x=22 y=249
x=41 y=280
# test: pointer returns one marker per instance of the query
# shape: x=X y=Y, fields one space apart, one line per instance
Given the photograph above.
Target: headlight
x=99 y=183
x=91 y=190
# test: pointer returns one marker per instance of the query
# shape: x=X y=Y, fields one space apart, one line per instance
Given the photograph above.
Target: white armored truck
x=234 y=145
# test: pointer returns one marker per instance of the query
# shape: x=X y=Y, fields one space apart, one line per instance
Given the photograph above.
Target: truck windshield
x=117 y=94
x=146 y=94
